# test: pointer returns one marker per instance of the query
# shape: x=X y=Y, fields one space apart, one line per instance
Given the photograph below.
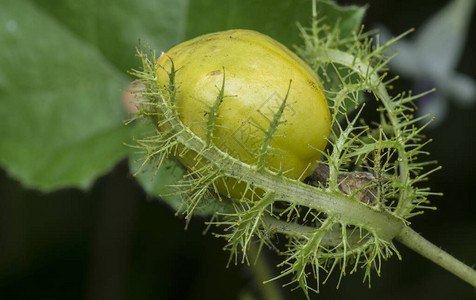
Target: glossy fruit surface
x=257 y=72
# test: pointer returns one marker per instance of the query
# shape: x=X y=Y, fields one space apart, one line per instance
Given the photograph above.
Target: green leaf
x=348 y=19
x=277 y=19
x=159 y=181
x=114 y=27
x=61 y=75
x=155 y=181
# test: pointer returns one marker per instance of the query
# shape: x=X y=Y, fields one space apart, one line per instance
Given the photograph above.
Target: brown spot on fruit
x=214 y=73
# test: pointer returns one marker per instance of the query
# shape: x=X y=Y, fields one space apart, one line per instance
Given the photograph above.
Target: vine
x=345 y=219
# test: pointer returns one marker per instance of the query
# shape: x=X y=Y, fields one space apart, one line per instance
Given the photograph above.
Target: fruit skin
x=258 y=71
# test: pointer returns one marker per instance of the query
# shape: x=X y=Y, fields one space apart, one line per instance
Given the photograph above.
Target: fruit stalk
x=422 y=246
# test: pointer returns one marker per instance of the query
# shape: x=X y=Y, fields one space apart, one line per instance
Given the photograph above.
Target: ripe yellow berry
x=257 y=71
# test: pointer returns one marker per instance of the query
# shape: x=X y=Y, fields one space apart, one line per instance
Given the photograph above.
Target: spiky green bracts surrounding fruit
x=249 y=121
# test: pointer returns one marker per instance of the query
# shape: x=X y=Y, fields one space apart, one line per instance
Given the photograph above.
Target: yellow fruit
x=258 y=71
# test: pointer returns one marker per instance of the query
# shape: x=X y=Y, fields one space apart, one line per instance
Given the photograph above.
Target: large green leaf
x=114 y=27
x=60 y=84
x=277 y=19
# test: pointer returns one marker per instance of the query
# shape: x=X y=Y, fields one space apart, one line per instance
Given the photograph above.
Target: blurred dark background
x=114 y=242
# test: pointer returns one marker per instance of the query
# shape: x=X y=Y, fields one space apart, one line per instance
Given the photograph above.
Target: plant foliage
x=332 y=224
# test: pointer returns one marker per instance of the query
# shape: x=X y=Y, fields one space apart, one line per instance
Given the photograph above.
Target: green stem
x=289 y=190
x=262 y=272
x=419 y=244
